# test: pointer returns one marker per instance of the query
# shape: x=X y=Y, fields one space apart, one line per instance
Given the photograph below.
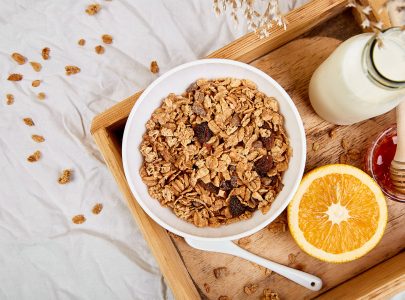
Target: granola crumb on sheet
x=97 y=208
x=38 y=138
x=36 y=83
x=221 y=272
x=65 y=177
x=70 y=70
x=207 y=288
x=45 y=53
x=250 y=289
x=9 y=99
x=107 y=39
x=93 y=9
x=223 y=298
x=36 y=66
x=20 y=59
x=99 y=49
x=35 y=156
x=28 y=122
x=154 y=68
x=268 y=294
x=79 y=219
x=41 y=96
x=81 y=42
x=216 y=153
x=15 y=77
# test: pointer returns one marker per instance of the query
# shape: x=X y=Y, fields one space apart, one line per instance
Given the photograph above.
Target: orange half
x=338 y=213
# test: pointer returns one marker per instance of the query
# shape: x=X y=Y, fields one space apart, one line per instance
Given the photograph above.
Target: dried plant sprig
x=260 y=22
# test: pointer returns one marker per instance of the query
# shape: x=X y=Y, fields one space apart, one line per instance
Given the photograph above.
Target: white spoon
x=306 y=280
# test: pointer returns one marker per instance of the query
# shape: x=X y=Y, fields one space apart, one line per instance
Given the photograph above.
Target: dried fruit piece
x=154 y=68
x=263 y=165
x=45 y=53
x=28 y=121
x=34 y=157
x=10 y=99
x=207 y=288
x=268 y=142
x=209 y=186
x=36 y=83
x=107 y=39
x=99 y=49
x=202 y=132
x=36 y=66
x=70 y=70
x=236 y=207
x=250 y=288
x=38 y=138
x=18 y=58
x=221 y=272
x=41 y=96
x=15 y=77
x=65 y=177
x=81 y=42
x=97 y=208
x=92 y=9
x=79 y=219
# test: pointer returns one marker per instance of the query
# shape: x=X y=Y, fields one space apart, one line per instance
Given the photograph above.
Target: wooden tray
x=290 y=57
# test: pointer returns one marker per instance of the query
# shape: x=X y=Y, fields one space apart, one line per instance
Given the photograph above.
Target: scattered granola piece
x=107 y=39
x=36 y=83
x=41 y=96
x=15 y=77
x=244 y=241
x=97 y=208
x=292 y=258
x=154 y=68
x=269 y=295
x=332 y=132
x=99 y=49
x=354 y=154
x=81 y=42
x=221 y=272
x=278 y=225
x=70 y=70
x=343 y=158
x=250 y=289
x=38 y=138
x=268 y=272
x=28 y=122
x=65 y=177
x=45 y=53
x=19 y=58
x=79 y=219
x=36 y=66
x=92 y=9
x=34 y=157
x=207 y=288
x=223 y=298
x=345 y=143
x=9 y=99
x=315 y=146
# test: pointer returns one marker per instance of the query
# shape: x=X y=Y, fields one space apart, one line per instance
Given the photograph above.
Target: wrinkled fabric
x=43 y=255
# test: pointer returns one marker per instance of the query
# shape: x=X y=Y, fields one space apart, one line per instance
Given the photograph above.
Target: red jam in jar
x=378 y=162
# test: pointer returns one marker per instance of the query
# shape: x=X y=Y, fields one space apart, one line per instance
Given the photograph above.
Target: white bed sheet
x=43 y=255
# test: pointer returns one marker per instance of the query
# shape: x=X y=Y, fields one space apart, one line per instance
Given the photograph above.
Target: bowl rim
x=301 y=135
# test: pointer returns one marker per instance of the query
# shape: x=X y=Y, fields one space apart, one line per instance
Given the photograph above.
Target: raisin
x=263 y=165
x=236 y=207
x=234 y=181
x=232 y=168
x=210 y=187
x=268 y=142
x=202 y=132
x=266 y=126
x=226 y=185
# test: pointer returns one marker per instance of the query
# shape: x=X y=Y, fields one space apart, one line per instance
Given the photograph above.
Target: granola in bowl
x=216 y=153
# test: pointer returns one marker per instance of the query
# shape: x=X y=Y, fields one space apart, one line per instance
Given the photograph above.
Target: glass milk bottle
x=360 y=79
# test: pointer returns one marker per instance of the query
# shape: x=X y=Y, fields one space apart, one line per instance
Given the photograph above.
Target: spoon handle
x=306 y=280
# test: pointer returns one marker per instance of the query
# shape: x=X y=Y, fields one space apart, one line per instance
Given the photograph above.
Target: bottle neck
x=372 y=69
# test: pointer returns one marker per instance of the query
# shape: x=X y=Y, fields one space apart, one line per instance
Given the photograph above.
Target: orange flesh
x=346 y=235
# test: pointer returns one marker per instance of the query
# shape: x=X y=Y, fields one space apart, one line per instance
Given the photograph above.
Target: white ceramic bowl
x=176 y=81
